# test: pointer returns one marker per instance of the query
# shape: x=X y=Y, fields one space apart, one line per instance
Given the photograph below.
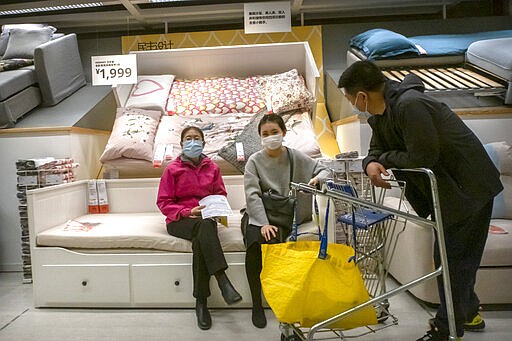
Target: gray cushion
x=22 y=42
x=14 y=81
x=250 y=140
x=59 y=69
x=493 y=55
x=4 y=36
x=18 y=105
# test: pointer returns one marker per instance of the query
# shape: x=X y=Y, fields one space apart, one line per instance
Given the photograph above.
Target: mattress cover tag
x=240 y=155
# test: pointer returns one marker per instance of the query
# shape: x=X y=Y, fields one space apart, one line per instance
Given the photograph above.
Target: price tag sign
x=115 y=69
x=267 y=17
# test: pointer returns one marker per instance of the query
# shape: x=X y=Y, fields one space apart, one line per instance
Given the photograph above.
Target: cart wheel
x=293 y=337
x=383 y=311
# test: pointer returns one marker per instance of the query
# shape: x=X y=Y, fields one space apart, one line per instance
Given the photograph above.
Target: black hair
x=274 y=118
x=361 y=76
x=184 y=131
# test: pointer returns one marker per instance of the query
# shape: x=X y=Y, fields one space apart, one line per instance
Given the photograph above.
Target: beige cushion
x=132 y=230
x=498 y=248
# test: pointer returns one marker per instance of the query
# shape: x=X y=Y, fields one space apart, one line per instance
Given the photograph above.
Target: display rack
x=32 y=174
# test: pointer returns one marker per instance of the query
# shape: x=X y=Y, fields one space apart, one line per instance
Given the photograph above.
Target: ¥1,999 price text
x=114 y=72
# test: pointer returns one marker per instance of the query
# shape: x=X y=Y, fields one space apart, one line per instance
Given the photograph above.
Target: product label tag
x=240 y=155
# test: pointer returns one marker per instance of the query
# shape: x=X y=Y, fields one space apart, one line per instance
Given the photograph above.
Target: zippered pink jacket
x=183 y=184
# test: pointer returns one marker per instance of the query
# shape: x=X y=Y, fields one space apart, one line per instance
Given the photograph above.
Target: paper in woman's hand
x=215 y=206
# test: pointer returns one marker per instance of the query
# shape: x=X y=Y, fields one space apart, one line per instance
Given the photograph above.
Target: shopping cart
x=373 y=230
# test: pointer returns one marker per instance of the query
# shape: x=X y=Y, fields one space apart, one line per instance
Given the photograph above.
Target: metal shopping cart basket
x=373 y=230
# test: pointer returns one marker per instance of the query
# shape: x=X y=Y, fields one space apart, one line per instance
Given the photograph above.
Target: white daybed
x=123 y=266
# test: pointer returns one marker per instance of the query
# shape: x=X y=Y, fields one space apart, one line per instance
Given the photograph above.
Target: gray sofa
x=56 y=74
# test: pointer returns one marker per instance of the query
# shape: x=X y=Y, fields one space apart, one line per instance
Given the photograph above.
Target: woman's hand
x=268 y=232
x=196 y=211
x=313 y=182
x=374 y=171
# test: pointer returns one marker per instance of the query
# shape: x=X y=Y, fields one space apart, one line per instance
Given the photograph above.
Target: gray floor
x=20 y=321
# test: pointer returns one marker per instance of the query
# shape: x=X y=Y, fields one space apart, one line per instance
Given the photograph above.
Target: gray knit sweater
x=263 y=172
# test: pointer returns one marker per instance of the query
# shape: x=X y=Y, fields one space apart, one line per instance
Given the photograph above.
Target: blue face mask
x=361 y=114
x=192 y=148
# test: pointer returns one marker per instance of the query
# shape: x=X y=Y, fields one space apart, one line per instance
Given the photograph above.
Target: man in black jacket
x=412 y=130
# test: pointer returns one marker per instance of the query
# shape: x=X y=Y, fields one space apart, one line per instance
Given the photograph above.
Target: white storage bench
x=128 y=260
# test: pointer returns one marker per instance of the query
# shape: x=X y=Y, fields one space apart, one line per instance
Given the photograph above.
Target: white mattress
x=133 y=230
x=146 y=231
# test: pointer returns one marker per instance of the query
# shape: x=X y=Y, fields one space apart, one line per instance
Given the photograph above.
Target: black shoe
x=434 y=334
x=204 y=320
x=258 y=317
x=231 y=296
x=476 y=324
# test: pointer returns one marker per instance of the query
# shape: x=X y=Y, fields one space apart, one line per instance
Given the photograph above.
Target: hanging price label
x=115 y=69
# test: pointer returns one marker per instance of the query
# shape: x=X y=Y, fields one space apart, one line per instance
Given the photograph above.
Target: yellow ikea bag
x=302 y=288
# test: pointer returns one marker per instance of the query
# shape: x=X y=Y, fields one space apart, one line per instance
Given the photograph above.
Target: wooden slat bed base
x=447 y=78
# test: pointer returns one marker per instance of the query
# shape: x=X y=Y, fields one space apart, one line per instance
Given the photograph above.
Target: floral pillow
x=133 y=135
x=220 y=95
x=285 y=91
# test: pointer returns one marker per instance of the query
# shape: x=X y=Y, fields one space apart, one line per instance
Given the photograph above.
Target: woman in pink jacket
x=189 y=178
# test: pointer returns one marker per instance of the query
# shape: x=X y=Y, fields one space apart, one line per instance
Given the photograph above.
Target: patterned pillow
x=133 y=135
x=150 y=92
x=214 y=96
x=300 y=134
x=250 y=140
x=218 y=131
x=284 y=92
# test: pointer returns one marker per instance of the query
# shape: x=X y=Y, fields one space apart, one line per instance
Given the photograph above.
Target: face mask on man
x=361 y=114
x=272 y=142
x=192 y=148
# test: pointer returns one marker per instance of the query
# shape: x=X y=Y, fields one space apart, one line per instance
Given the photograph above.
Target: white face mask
x=272 y=142
x=361 y=114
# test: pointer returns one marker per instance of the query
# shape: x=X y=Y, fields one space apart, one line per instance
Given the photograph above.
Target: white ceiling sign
x=267 y=17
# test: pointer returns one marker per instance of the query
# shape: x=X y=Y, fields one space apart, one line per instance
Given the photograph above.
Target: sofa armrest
x=59 y=69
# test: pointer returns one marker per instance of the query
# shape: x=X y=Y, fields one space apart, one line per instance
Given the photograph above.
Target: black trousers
x=465 y=242
x=208 y=257
x=253 y=240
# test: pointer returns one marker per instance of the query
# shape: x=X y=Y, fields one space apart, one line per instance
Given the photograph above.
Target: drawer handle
x=177 y=282
x=84 y=283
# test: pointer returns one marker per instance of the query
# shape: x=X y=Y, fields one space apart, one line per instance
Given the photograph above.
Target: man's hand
x=375 y=171
x=196 y=211
x=268 y=232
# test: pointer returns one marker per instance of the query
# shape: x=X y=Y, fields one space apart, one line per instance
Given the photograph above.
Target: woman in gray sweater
x=270 y=169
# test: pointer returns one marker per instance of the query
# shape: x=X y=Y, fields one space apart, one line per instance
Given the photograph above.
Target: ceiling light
x=50 y=8
x=167 y=0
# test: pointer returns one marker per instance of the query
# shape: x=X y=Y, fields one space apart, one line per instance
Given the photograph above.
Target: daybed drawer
x=162 y=284
x=85 y=285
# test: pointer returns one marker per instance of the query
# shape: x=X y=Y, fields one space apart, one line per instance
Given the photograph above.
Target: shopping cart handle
x=305 y=187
